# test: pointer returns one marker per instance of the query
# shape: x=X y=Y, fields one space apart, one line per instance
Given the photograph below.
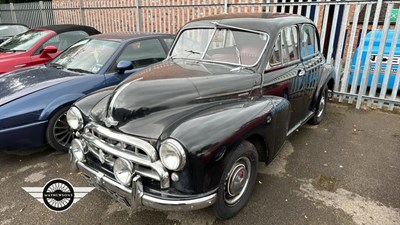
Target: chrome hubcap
x=321 y=106
x=237 y=180
x=62 y=132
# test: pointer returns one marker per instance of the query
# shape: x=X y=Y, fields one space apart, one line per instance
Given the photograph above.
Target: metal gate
x=359 y=37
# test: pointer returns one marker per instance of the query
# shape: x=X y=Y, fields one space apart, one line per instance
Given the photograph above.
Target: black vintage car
x=189 y=132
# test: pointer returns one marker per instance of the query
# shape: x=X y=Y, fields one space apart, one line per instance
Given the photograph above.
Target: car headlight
x=78 y=149
x=123 y=171
x=172 y=155
x=74 y=118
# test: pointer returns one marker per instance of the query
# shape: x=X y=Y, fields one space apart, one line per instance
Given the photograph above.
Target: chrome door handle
x=301 y=73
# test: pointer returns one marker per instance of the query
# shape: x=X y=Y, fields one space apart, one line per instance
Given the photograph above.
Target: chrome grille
x=107 y=145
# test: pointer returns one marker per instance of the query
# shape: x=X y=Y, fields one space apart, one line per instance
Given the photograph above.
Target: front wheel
x=58 y=134
x=237 y=181
x=321 y=108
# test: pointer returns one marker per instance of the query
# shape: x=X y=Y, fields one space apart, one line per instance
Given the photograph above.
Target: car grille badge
x=109 y=121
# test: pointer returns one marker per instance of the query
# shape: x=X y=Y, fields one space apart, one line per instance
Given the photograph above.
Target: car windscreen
x=11 y=30
x=23 y=41
x=224 y=45
x=86 y=56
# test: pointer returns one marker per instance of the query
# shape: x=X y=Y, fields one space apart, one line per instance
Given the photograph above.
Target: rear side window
x=309 y=39
x=143 y=53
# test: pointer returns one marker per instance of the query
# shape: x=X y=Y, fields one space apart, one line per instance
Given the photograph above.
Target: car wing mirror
x=122 y=66
x=48 y=50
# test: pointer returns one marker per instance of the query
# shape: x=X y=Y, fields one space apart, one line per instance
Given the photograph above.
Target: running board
x=310 y=114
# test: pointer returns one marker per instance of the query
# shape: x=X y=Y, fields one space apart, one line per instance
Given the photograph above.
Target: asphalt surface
x=344 y=171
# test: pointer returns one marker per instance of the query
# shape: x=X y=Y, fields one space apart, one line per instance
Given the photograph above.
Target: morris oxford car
x=189 y=132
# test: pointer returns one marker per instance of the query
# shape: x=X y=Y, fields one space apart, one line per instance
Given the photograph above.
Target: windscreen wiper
x=56 y=65
x=79 y=70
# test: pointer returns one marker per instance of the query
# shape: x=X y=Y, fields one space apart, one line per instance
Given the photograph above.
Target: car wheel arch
x=261 y=145
x=327 y=81
x=57 y=104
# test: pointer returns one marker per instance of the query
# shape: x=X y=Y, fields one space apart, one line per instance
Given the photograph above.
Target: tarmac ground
x=344 y=171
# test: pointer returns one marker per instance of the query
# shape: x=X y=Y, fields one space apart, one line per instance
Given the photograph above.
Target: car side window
x=309 y=41
x=168 y=42
x=276 y=57
x=143 y=53
x=286 y=47
x=64 y=40
x=290 y=44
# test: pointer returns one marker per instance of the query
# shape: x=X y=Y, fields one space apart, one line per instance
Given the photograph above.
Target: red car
x=40 y=45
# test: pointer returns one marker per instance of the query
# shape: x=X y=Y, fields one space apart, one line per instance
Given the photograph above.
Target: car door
x=141 y=53
x=312 y=60
x=61 y=42
x=284 y=74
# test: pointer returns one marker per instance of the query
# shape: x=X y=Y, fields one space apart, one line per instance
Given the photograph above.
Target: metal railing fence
x=343 y=27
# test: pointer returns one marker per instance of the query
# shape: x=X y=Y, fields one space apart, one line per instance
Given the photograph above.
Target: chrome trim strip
x=143 y=145
x=113 y=99
x=310 y=114
x=225 y=94
x=136 y=196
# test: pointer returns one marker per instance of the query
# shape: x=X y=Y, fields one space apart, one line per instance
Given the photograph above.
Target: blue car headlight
x=74 y=118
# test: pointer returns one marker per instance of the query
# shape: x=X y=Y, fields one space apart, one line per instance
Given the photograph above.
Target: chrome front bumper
x=135 y=197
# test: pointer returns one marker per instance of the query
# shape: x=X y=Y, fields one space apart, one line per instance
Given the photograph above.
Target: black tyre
x=237 y=181
x=321 y=107
x=58 y=134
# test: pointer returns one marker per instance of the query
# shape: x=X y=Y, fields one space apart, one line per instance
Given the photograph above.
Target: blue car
x=373 y=59
x=34 y=101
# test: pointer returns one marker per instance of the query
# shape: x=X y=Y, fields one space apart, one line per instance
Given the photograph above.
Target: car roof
x=264 y=22
x=61 y=28
x=123 y=36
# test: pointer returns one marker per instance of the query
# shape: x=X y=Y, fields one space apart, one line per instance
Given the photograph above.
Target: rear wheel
x=58 y=134
x=321 y=107
x=237 y=181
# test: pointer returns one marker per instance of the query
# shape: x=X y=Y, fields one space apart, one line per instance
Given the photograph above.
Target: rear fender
x=327 y=75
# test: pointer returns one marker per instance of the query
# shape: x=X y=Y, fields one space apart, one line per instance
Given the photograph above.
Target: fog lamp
x=78 y=149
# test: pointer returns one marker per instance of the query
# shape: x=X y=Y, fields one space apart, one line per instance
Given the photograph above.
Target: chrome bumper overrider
x=135 y=197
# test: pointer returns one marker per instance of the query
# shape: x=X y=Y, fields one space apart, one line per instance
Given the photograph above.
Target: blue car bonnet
x=19 y=83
